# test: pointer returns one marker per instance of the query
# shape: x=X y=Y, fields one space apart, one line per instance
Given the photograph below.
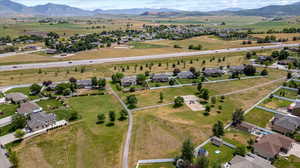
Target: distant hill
x=10 y=8
x=272 y=11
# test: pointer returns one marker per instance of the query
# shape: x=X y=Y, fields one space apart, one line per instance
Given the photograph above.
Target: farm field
x=73 y=145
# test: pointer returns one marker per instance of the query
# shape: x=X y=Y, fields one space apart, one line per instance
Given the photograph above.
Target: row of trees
x=101 y=117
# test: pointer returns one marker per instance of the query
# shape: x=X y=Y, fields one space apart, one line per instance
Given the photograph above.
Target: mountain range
x=10 y=8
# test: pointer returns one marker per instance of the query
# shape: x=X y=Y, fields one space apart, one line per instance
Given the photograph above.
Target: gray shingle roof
x=40 y=120
x=250 y=161
x=16 y=97
x=290 y=123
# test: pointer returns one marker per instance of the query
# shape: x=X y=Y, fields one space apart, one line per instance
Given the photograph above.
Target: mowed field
x=159 y=132
x=207 y=42
x=81 y=144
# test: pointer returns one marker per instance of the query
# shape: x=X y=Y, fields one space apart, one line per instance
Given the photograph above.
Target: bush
x=178 y=102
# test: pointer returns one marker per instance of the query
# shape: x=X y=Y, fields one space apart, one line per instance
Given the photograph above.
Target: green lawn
x=50 y=104
x=259 y=117
x=224 y=156
x=157 y=165
x=275 y=103
x=287 y=93
x=290 y=162
x=237 y=137
x=83 y=143
x=7 y=110
x=25 y=91
x=137 y=45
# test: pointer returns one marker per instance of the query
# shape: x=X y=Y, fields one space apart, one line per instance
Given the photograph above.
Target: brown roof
x=273 y=143
x=28 y=107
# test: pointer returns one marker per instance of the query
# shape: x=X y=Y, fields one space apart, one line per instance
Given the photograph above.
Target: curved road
x=135 y=58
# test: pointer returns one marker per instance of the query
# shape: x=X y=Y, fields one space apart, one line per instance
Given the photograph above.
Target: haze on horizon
x=189 y=5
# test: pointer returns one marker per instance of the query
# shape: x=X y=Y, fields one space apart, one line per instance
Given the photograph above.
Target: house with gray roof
x=185 y=75
x=285 y=124
x=86 y=84
x=237 y=69
x=249 y=161
x=16 y=98
x=128 y=81
x=213 y=72
x=38 y=121
x=28 y=108
x=160 y=77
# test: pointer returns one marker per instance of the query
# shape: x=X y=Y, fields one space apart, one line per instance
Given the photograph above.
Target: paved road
x=5 y=121
x=4 y=162
x=20 y=53
x=129 y=131
x=122 y=59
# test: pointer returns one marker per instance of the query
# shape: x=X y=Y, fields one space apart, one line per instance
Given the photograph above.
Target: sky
x=190 y=5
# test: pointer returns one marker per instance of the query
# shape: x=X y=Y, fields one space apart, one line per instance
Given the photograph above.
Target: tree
x=132 y=101
x=176 y=71
x=72 y=80
x=123 y=115
x=264 y=72
x=101 y=118
x=248 y=55
x=289 y=75
x=199 y=87
x=202 y=162
x=102 y=83
x=213 y=100
x=193 y=70
x=116 y=78
x=249 y=70
x=35 y=89
x=94 y=81
x=161 y=97
x=237 y=117
x=240 y=150
x=218 y=129
x=204 y=94
x=178 y=102
x=112 y=116
x=18 y=122
x=73 y=116
x=187 y=151
x=19 y=133
x=141 y=79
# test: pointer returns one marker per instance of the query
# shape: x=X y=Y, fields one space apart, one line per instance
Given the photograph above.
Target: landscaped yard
x=259 y=117
x=237 y=137
x=157 y=165
x=24 y=90
x=74 y=145
x=7 y=110
x=290 y=162
x=225 y=153
x=287 y=93
x=275 y=103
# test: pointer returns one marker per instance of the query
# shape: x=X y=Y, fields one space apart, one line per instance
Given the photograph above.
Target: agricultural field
x=72 y=146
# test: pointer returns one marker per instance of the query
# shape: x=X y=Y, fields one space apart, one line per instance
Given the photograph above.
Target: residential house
x=28 y=108
x=269 y=146
x=84 y=84
x=213 y=72
x=216 y=141
x=262 y=59
x=294 y=108
x=245 y=127
x=249 y=161
x=285 y=124
x=185 y=75
x=16 y=98
x=51 y=51
x=160 y=77
x=38 y=121
x=237 y=69
x=128 y=81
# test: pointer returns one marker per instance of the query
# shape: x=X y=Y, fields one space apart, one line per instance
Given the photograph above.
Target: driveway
x=295 y=150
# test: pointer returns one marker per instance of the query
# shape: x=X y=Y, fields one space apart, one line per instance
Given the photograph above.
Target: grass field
x=237 y=137
x=278 y=36
x=74 y=145
x=259 y=117
x=7 y=110
x=288 y=93
x=225 y=155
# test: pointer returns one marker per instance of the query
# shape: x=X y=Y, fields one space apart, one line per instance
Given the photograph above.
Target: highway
x=136 y=58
